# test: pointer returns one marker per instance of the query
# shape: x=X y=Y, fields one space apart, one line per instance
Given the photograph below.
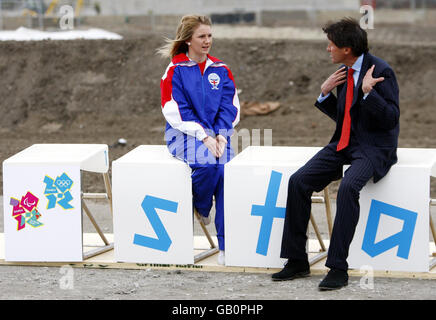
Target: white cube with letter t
x=152 y=204
x=255 y=191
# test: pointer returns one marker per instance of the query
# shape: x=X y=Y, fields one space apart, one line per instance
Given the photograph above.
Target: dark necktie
x=346 y=125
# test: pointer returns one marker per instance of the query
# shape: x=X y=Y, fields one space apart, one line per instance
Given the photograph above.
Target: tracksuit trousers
x=207 y=177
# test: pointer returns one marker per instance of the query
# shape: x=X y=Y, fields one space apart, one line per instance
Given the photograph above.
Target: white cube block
x=152 y=204
x=42 y=200
x=393 y=229
x=255 y=190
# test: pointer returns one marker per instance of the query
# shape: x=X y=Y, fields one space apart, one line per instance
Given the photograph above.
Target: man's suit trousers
x=315 y=175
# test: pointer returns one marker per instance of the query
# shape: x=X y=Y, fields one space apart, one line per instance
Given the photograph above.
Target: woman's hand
x=212 y=145
x=221 y=144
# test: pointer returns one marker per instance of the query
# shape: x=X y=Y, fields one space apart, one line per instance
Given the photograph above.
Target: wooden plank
x=315 y=270
x=432 y=264
x=328 y=211
x=432 y=228
x=106 y=260
x=205 y=254
x=97 y=251
x=318 y=234
x=317 y=199
x=315 y=259
x=94 y=196
x=95 y=224
x=205 y=231
x=107 y=184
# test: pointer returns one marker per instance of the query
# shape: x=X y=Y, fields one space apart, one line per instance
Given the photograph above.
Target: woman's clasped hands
x=216 y=146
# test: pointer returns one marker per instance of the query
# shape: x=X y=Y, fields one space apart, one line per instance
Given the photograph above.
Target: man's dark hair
x=347 y=33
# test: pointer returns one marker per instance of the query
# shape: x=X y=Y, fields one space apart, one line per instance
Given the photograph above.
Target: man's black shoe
x=335 y=279
x=292 y=270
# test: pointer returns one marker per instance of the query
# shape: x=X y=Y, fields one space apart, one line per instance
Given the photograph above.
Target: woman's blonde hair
x=185 y=30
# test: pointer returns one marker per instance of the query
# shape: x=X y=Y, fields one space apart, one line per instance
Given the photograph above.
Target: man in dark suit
x=366 y=112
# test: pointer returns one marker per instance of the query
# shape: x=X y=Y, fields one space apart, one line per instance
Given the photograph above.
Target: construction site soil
x=98 y=91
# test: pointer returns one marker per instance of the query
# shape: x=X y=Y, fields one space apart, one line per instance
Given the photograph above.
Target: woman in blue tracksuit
x=201 y=106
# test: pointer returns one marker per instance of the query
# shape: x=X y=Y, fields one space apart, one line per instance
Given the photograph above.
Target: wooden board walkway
x=106 y=261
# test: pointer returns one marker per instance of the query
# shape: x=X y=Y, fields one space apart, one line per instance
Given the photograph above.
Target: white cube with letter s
x=152 y=203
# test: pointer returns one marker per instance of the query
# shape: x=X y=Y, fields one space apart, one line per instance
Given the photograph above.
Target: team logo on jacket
x=214 y=80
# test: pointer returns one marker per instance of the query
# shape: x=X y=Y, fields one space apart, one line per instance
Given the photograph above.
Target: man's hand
x=337 y=78
x=221 y=144
x=368 y=81
x=212 y=145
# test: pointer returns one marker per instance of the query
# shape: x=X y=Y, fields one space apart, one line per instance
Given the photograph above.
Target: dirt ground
x=99 y=91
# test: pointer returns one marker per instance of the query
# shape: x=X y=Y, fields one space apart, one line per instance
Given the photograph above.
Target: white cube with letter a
x=393 y=229
x=152 y=203
x=255 y=191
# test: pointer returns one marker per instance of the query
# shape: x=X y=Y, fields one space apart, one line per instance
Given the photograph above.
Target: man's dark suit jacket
x=375 y=120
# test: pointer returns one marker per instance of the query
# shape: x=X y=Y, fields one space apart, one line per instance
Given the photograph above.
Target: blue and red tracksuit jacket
x=196 y=105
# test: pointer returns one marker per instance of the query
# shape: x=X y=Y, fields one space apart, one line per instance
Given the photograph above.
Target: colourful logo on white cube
x=26 y=211
x=57 y=191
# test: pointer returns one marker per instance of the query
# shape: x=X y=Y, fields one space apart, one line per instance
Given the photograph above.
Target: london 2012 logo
x=25 y=211
x=57 y=191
